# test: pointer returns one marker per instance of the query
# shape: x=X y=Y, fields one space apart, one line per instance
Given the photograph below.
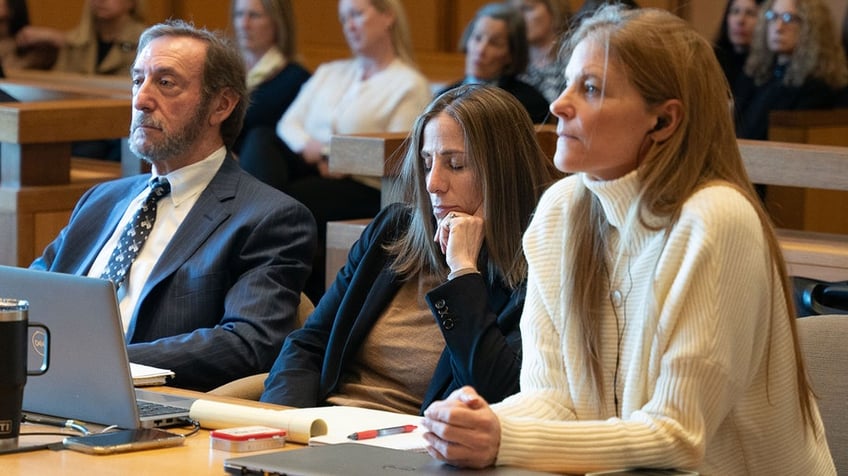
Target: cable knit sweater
x=705 y=374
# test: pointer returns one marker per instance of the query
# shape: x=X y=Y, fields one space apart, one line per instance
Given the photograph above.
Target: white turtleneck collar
x=617 y=196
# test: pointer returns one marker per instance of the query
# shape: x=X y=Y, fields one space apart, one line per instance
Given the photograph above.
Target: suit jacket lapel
x=110 y=224
x=206 y=215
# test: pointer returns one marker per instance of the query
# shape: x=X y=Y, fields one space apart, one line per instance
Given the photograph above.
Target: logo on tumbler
x=5 y=427
x=38 y=338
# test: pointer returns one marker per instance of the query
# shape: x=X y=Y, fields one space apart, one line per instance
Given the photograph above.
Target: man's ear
x=669 y=115
x=223 y=106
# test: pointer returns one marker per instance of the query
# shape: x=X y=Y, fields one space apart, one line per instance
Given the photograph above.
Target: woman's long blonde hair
x=664 y=58
x=401 y=38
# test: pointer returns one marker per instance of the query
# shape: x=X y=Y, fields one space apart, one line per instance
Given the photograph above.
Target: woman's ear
x=669 y=115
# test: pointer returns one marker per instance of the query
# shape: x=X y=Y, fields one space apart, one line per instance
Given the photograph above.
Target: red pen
x=368 y=434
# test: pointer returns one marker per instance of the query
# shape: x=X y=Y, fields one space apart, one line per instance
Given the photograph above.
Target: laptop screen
x=89 y=377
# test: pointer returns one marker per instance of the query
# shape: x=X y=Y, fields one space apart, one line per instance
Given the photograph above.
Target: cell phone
x=123 y=440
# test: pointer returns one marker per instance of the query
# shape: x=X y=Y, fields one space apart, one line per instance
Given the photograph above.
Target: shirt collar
x=192 y=179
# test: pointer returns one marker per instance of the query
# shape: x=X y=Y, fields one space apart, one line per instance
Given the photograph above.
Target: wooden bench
x=825 y=168
x=818 y=255
x=812 y=209
x=39 y=181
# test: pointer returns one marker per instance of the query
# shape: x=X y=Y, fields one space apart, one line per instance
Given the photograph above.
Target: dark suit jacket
x=483 y=346
x=223 y=296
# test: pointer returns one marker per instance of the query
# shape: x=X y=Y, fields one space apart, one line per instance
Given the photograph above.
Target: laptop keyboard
x=151 y=409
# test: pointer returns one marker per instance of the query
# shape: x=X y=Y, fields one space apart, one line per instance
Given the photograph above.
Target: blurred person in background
x=104 y=41
x=496 y=52
x=379 y=89
x=546 y=22
x=265 y=33
x=796 y=62
x=735 y=35
x=14 y=16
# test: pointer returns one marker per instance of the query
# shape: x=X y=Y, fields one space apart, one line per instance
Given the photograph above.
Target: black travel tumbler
x=14 y=341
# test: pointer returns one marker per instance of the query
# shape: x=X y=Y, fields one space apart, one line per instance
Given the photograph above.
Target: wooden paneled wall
x=436 y=24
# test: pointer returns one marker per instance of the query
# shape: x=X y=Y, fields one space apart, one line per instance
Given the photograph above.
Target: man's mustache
x=142 y=120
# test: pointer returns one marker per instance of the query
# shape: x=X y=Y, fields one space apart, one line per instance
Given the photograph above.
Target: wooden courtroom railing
x=812 y=209
x=814 y=167
x=819 y=255
x=62 y=83
x=39 y=181
x=380 y=155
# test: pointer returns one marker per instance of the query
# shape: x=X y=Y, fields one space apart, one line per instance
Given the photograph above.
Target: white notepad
x=317 y=426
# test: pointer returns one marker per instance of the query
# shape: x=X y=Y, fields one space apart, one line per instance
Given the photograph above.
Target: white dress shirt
x=186 y=185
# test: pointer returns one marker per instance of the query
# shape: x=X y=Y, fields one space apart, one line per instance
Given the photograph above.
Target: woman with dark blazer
x=431 y=294
x=265 y=32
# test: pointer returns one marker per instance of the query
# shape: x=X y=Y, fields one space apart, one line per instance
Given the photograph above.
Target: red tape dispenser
x=247 y=438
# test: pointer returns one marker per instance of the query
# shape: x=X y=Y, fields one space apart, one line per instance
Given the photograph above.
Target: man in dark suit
x=213 y=291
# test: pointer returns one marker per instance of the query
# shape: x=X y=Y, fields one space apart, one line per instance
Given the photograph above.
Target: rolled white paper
x=216 y=415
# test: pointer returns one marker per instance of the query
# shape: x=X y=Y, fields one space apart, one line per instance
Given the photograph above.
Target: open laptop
x=89 y=376
x=351 y=458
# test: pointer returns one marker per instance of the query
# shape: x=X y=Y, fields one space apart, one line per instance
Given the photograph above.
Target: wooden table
x=194 y=457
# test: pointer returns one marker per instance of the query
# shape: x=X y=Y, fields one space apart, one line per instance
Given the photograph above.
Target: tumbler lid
x=13 y=309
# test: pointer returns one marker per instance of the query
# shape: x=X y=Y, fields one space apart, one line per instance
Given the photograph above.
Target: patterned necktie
x=135 y=234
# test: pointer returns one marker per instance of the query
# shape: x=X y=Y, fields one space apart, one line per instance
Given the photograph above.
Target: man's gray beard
x=176 y=144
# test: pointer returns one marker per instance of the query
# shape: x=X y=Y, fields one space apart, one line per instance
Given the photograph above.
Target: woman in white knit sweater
x=659 y=333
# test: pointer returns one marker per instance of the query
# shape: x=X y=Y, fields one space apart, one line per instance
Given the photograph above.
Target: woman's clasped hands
x=462 y=430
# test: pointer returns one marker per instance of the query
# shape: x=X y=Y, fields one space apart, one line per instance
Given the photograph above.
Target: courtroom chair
x=823 y=343
x=251 y=387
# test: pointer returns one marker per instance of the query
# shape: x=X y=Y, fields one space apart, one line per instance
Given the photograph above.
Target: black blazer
x=483 y=346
